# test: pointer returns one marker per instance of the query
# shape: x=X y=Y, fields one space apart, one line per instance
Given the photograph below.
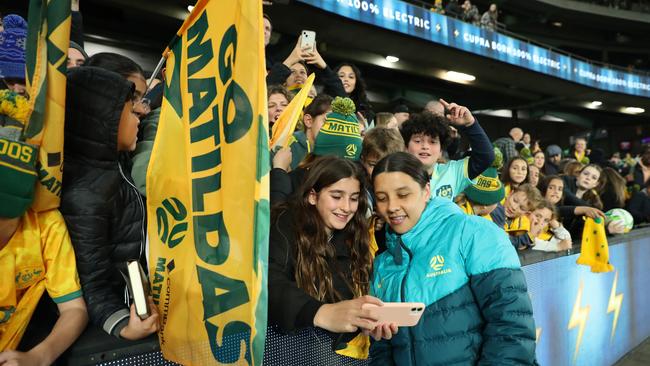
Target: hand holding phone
x=404 y=314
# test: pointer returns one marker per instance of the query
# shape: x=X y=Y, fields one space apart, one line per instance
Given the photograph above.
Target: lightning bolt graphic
x=578 y=318
x=614 y=304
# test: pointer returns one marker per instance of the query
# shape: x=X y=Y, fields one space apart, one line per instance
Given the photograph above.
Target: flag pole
x=159 y=67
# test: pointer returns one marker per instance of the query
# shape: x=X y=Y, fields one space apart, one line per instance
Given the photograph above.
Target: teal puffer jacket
x=468 y=274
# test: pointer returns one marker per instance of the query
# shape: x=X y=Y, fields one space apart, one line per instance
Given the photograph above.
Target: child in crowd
x=483 y=197
x=581 y=191
x=538 y=160
x=549 y=234
x=35 y=254
x=514 y=174
x=533 y=175
x=102 y=208
x=319 y=262
x=518 y=206
x=387 y=120
x=612 y=190
x=572 y=168
x=377 y=143
x=427 y=135
x=339 y=136
x=355 y=88
x=302 y=142
x=278 y=100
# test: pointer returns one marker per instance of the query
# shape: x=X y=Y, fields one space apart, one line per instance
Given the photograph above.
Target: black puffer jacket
x=101 y=206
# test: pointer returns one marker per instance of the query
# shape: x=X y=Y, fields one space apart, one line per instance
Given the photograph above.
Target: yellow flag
x=48 y=38
x=283 y=128
x=208 y=189
x=595 y=250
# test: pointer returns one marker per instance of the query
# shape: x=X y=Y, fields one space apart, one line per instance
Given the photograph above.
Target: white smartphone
x=404 y=314
x=307 y=40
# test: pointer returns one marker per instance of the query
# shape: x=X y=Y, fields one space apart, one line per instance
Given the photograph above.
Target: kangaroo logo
x=174 y=207
x=437 y=262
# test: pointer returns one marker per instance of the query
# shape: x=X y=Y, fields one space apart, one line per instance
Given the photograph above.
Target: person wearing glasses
x=103 y=210
x=129 y=70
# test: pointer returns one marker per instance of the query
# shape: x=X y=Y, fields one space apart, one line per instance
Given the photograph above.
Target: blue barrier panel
x=576 y=311
x=417 y=21
x=581 y=317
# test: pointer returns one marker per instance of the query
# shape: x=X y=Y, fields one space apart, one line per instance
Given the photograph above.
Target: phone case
x=404 y=314
x=307 y=39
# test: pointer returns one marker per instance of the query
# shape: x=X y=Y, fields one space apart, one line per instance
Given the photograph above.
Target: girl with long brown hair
x=319 y=262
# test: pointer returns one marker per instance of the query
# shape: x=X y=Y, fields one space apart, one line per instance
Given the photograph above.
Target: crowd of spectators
x=469 y=13
x=354 y=186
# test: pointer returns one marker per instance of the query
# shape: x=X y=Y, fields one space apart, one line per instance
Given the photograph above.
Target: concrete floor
x=639 y=356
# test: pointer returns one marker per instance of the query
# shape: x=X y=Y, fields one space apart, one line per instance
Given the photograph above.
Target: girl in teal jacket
x=462 y=267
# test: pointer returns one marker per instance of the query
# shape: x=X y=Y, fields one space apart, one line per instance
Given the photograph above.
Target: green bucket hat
x=488 y=189
x=340 y=135
x=17 y=158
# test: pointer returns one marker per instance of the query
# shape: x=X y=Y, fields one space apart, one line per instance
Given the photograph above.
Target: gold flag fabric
x=283 y=128
x=48 y=39
x=208 y=189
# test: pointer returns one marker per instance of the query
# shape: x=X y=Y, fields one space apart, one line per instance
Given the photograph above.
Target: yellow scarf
x=595 y=250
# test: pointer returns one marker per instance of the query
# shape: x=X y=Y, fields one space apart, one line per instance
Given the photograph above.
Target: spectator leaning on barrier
x=554 y=237
x=461 y=267
x=319 y=261
x=470 y=13
x=101 y=205
x=612 y=189
x=35 y=253
x=489 y=20
x=549 y=235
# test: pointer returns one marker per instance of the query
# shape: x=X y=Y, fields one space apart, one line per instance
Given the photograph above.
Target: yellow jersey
x=38 y=257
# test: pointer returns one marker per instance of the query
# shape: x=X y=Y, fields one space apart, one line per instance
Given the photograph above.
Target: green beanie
x=17 y=159
x=340 y=134
x=488 y=189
